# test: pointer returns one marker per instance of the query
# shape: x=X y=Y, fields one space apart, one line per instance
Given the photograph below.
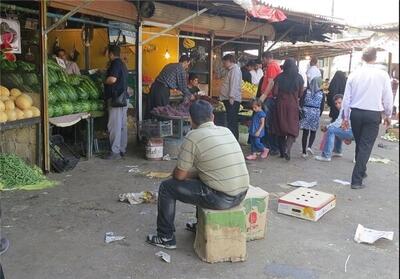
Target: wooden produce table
x=27 y=123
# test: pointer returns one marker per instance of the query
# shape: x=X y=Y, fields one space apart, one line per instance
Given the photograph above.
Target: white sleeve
x=347 y=100
x=387 y=97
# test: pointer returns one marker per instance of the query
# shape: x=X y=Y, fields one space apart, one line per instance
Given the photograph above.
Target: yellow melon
x=9 y=104
x=2 y=106
x=4 y=91
x=15 y=92
x=11 y=115
x=3 y=117
x=28 y=113
x=4 y=98
x=20 y=114
x=35 y=111
x=23 y=102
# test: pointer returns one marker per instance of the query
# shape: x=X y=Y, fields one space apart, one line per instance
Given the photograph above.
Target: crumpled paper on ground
x=110 y=237
x=379 y=160
x=164 y=256
x=370 y=236
x=305 y=184
x=138 y=198
x=342 y=182
x=158 y=174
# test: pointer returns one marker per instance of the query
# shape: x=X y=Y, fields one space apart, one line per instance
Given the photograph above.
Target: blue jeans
x=256 y=144
x=334 y=139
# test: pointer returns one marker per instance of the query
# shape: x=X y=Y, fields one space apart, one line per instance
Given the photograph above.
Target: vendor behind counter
x=172 y=76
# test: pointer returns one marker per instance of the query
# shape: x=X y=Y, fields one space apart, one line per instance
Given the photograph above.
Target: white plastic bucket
x=154 y=149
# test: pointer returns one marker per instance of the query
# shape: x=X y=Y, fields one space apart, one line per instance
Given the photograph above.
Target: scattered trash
x=303 y=184
x=345 y=264
x=342 y=182
x=68 y=175
x=257 y=171
x=370 y=236
x=158 y=174
x=110 y=237
x=390 y=137
x=381 y=145
x=133 y=169
x=166 y=158
x=379 y=160
x=137 y=198
x=164 y=256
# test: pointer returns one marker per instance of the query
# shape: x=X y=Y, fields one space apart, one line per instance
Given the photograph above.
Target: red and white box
x=306 y=203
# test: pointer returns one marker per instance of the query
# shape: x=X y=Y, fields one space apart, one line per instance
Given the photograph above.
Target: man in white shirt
x=368 y=93
x=257 y=73
x=313 y=71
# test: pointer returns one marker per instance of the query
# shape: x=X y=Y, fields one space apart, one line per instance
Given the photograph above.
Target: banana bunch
x=249 y=90
x=188 y=43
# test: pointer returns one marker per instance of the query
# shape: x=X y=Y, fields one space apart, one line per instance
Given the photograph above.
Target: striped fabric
x=216 y=155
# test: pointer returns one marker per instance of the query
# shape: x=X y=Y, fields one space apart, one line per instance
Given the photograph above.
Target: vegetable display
x=16 y=174
x=249 y=90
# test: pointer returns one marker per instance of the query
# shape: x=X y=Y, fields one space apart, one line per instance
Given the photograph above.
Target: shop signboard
x=10 y=35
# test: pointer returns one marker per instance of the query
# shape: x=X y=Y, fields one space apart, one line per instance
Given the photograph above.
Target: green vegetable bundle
x=16 y=174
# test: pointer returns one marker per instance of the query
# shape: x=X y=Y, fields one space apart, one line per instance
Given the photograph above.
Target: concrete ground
x=58 y=233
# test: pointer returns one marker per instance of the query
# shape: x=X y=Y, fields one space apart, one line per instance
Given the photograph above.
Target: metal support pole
x=281 y=37
x=139 y=71
x=261 y=49
x=350 y=59
x=45 y=86
x=67 y=15
x=211 y=64
x=390 y=64
x=175 y=25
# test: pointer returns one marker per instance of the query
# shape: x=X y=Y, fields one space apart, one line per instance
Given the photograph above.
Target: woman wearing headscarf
x=288 y=89
x=312 y=108
x=337 y=86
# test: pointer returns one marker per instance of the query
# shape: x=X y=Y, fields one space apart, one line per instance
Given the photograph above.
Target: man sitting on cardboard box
x=211 y=172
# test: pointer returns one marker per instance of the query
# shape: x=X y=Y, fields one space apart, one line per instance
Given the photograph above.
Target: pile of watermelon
x=70 y=94
x=19 y=74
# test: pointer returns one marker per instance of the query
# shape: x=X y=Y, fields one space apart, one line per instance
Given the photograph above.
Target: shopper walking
x=288 y=90
x=312 y=108
x=257 y=131
x=336 y=87
x=116 y=95
x=368 y=93
x=272 y=70
x=231 y=94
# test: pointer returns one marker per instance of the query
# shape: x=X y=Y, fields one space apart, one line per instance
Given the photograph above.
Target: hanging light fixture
x=167 y=55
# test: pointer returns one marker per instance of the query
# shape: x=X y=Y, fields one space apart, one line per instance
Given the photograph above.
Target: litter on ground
x=370 y=236
x=110 y=237
x=158 y=174
x=138 y=198
x=164 y=256
x=305 y=184
x=379 y=160
x=342 y=182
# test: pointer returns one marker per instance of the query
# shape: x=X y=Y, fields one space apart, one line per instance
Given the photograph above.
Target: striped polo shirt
x=217 y=157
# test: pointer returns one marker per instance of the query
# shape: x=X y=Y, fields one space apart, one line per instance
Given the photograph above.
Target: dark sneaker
x=112 y=156
x=122 y=154
x=365 y=175
x=167 y=243
x=190 y=226
x=4 y=244
x=357 y=186
x=274 y=153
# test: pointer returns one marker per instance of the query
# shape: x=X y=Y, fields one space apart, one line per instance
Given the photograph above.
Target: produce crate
x=155 y=129
x=62 y=157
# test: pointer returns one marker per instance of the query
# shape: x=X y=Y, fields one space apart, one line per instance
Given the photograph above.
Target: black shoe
x=357 y=186
x=191 y=227
x=112 y=156
x=287 y=157
x=274 y=153
x=365 y=175
x=122 y=154
x=161 y=241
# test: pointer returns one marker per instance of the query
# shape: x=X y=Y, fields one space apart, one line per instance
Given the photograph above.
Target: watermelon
x=82 y=93
x=52 y=76
x=74 y=79
x=57 y=110
x=67 y=108
x=86 y=107
x=100 y=105
x=77 y=107
x=30 y=79
x=50 y=111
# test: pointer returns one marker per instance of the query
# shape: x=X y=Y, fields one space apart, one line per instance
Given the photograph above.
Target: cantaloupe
x=3 y=117
x=28 y=113
x=20 y=114
x=2 y=106
x=35 y=111
x=11 y=115
x=9 y=104
x=15 y=92
x=35 y=98
x=23 y=102
x=4 y=98
x=4 y=91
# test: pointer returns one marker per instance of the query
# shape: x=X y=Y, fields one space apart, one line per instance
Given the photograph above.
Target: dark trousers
x=159 y=95
x=232 y=115
x=270 y=140
x=285 y=144
x=365 y=127
x=188 y=191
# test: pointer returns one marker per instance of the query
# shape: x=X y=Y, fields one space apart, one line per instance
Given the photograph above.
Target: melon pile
x=15 y=105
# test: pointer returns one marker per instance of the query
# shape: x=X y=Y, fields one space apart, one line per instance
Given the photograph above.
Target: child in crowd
x=257 y=131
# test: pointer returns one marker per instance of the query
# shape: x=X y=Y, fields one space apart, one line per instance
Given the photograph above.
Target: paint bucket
x=154 y=149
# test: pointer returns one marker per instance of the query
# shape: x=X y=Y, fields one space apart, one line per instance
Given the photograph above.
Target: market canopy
x=320 y=49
